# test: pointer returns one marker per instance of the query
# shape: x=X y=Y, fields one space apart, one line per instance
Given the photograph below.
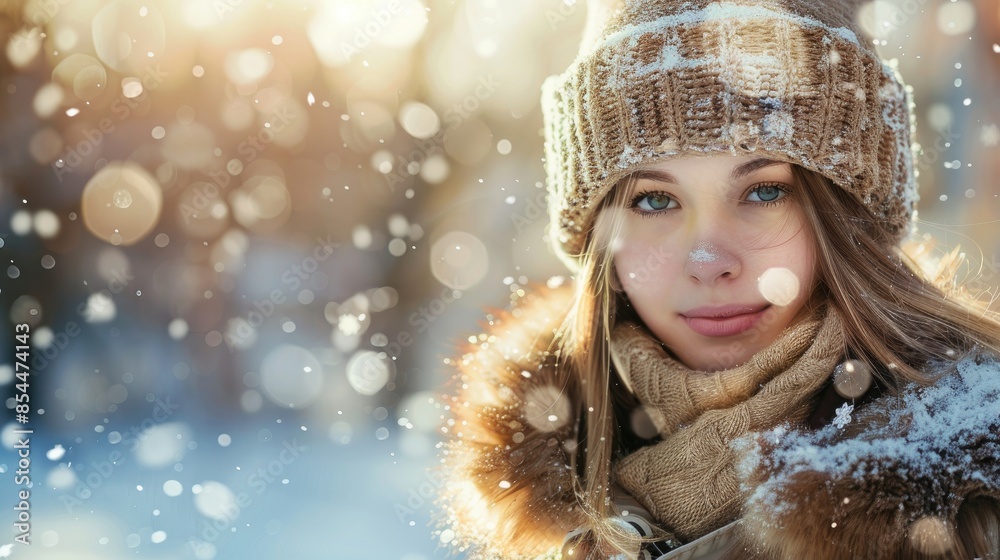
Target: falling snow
x=242 y=263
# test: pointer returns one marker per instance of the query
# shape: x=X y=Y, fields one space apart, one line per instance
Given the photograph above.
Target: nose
x=708 y=262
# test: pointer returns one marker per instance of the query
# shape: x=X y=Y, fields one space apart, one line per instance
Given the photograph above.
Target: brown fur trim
x=509 y=488
x=914 y=476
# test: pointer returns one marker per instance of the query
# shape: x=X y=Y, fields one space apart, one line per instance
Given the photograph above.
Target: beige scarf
x=688 y=481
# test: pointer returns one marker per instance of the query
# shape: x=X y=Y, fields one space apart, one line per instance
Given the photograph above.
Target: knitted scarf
x=688 y=481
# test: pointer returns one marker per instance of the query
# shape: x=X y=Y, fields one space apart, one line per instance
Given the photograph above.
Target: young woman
x=752 y=361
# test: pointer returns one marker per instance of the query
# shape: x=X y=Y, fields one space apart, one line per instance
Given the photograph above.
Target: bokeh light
x=459 y=260
x=127 y=34
x=121 y=203
x=956 y=17
x=779 y=286
x=369 y=371
x=161 y=445
x=250 y=239
x=852 y=379
x=215 y=500
x=84 y=75
x=547 y=408
x=291 y=376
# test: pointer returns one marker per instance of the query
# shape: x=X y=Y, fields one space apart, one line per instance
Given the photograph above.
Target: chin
x=725 y=354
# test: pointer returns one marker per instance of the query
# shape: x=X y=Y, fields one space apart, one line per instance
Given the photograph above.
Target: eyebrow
x=738 y=172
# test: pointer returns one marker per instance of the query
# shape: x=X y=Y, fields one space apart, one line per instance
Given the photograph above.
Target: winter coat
x=915 y=474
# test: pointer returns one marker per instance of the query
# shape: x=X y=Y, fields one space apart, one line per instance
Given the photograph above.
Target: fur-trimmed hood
x=509 y=492
x=916 y=475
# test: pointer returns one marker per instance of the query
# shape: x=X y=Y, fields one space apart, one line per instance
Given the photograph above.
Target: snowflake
x=843 y=415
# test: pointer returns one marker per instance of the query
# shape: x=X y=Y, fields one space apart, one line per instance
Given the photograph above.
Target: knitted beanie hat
x=789 y=80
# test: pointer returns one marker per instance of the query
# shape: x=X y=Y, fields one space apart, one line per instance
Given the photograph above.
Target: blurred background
x=247 y=235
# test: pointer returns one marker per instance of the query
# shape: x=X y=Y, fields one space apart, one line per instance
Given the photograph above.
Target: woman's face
x=716 y=256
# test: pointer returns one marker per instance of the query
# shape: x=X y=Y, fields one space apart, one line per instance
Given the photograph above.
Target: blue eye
x=768 y=193
x=652 y=202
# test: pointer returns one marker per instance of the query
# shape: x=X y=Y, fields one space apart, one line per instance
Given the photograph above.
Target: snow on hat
x=790 y=80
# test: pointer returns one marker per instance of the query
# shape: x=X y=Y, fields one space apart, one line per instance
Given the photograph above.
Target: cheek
x=643 y=268
x=802 y=251
x=787 y=272
x=775 y=233
x=807 y=268
x=789 y=236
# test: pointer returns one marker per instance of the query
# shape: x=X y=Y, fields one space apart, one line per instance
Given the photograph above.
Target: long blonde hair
x=902 y=308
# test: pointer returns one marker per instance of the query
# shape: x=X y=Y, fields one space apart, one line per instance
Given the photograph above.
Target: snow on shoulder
x=914 y=456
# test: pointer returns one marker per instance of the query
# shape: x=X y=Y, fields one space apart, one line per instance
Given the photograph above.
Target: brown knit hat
x=790 y=80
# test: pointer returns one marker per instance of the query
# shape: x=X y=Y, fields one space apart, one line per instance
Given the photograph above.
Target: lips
x=729 y=320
